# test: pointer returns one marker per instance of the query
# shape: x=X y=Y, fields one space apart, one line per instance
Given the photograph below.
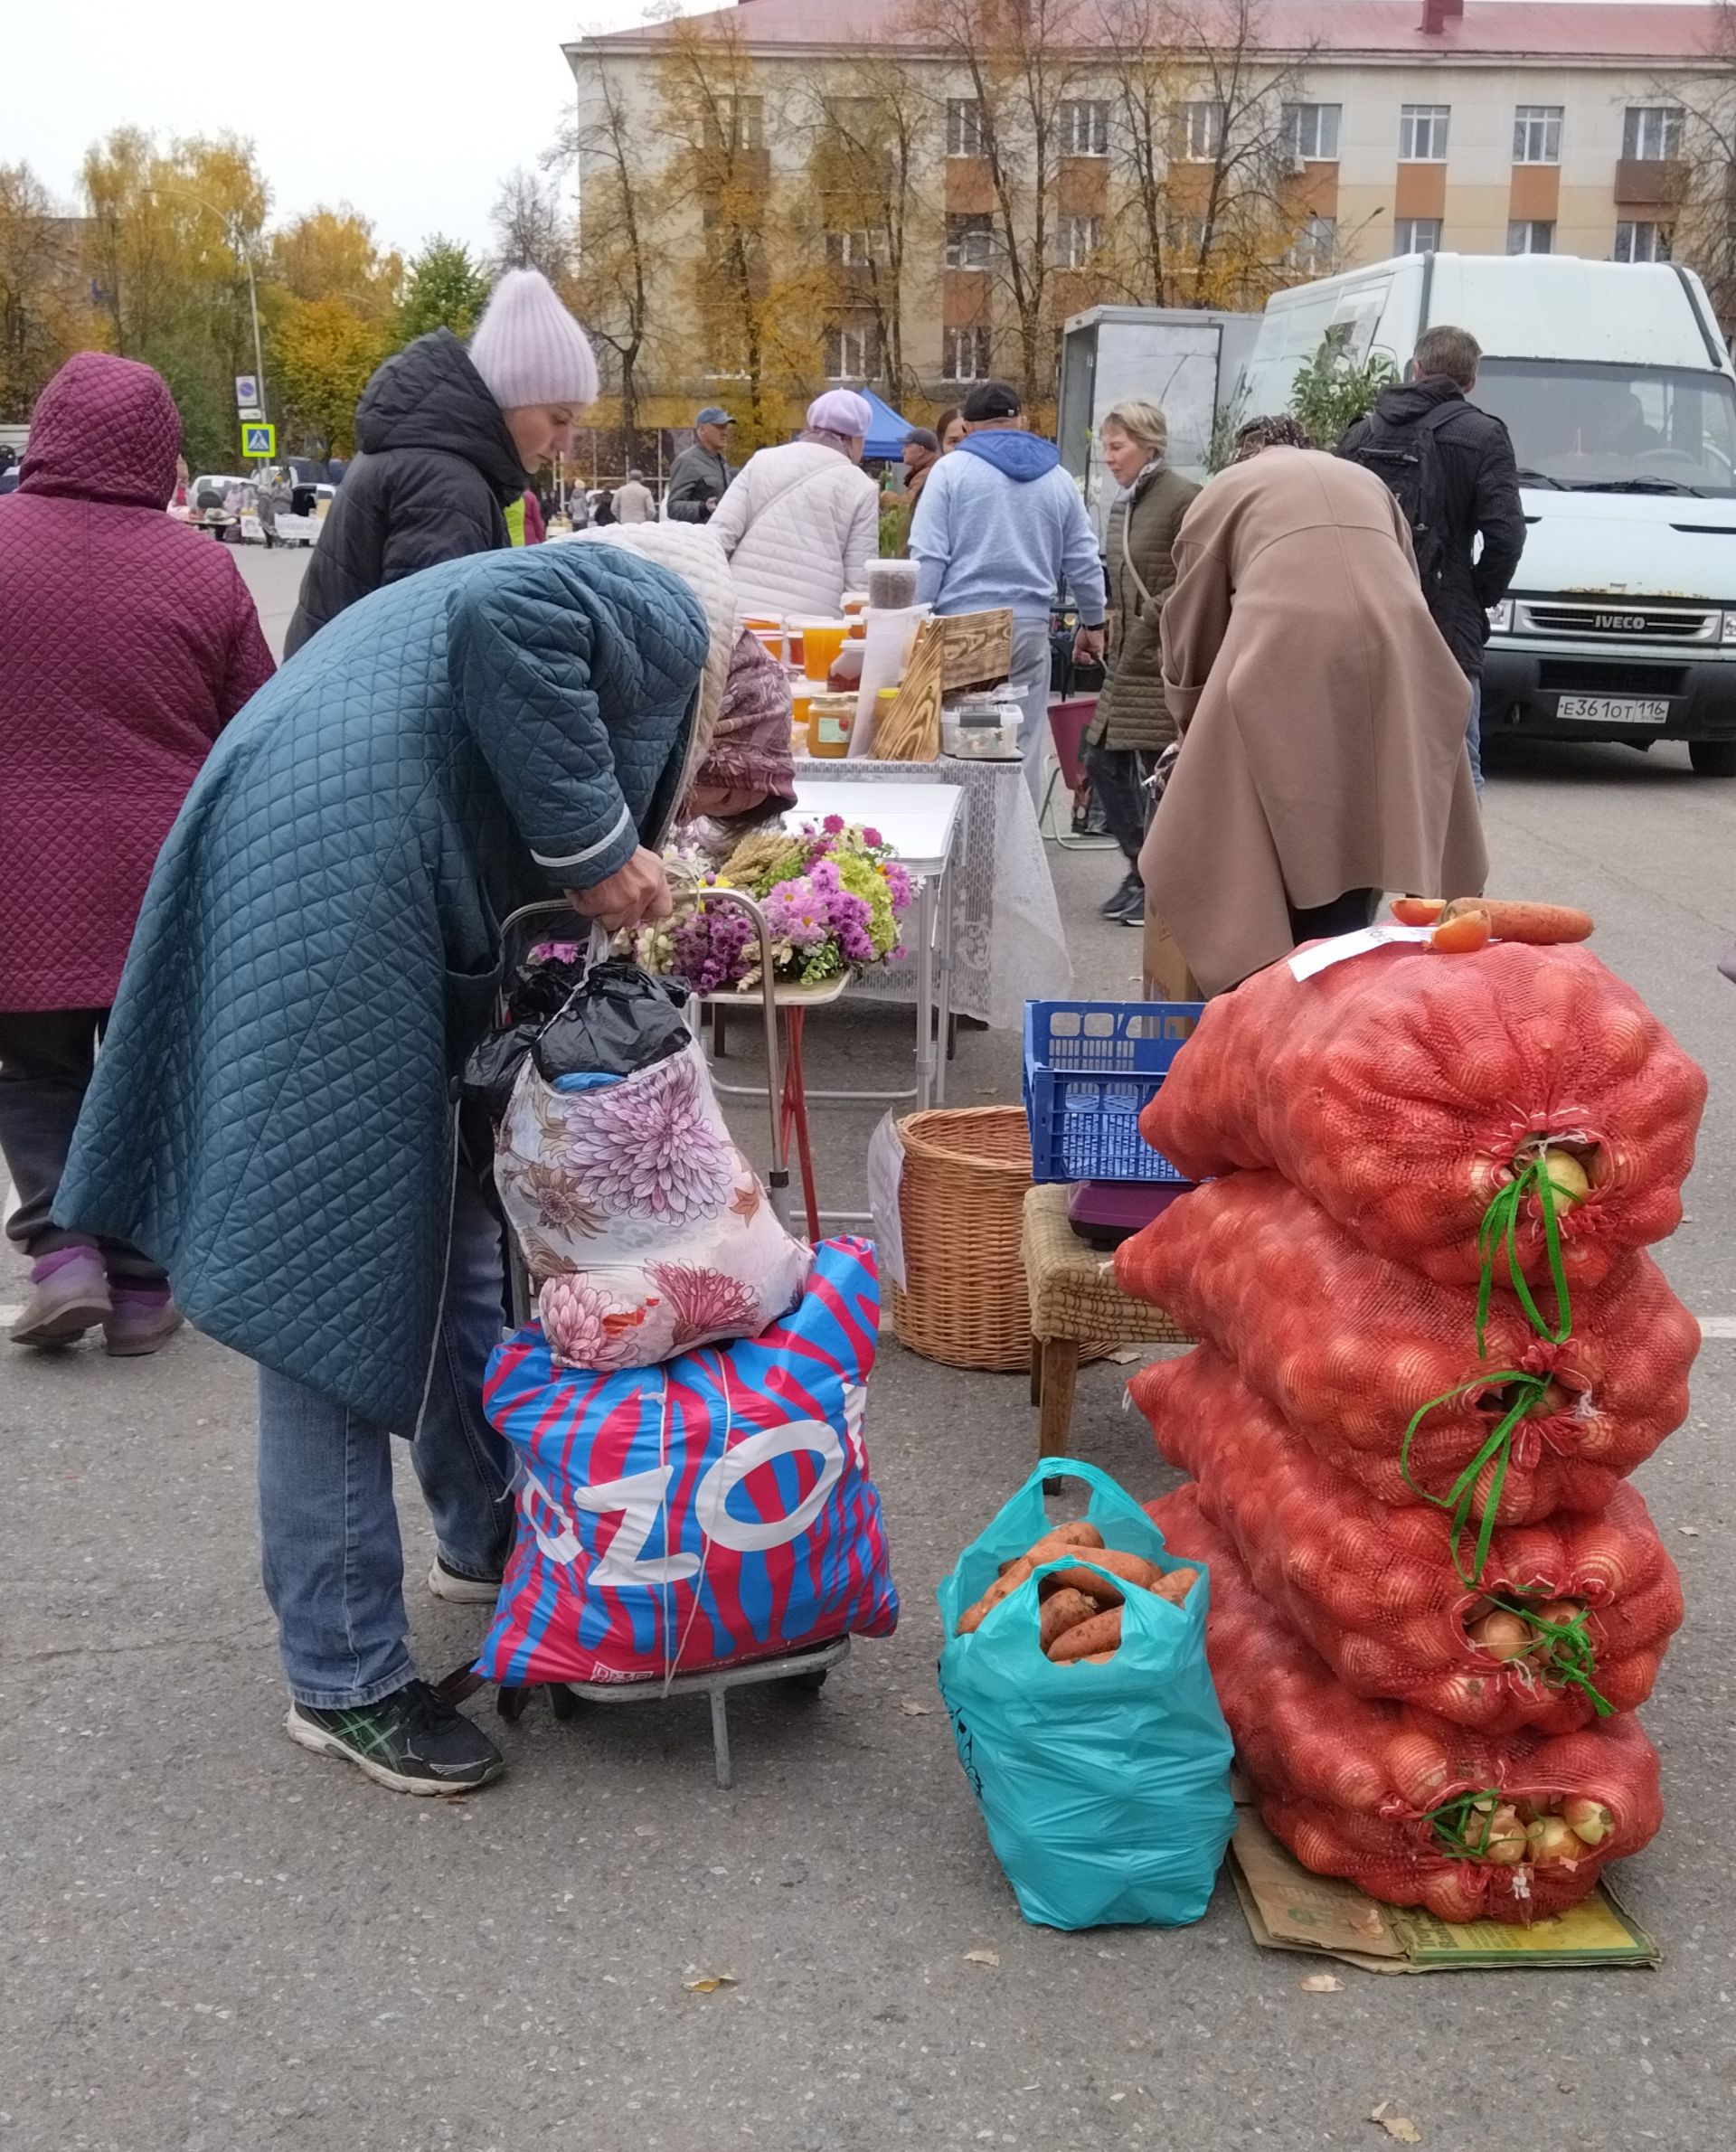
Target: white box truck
x=1616 y=383
x=1183 y=361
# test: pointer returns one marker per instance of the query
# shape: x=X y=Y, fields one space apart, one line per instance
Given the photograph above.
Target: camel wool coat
x=1323 y=717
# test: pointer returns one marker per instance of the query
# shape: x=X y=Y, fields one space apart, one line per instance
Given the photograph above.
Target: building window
x=852 y=351
x=1310 y=133
x=1652 y=135
x=966 y=355
x=740 y=123
x=970 y=239
x=963 y=128
x=1422 y=134
x=1084 y=127
x=1416 y=235
x=1201 y=130
x=849 y=249
x=1531 y=235
x=1314 y=247
x=1076 y=239
x=1642 y=242
x=1537 y=135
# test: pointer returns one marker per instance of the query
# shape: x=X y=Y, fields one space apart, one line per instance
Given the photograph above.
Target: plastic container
x=821 y=642
x=845 y=677
x=1089 y=1069
x=829 y=720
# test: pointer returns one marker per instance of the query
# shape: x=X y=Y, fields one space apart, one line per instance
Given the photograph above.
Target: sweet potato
x=1102 y=1632
x=1175 y=1584
x=1418 y=911
x=1131 y=1569
x=1542 y=926
x=1009 y=1579
x=1064 y=1537
x=1458 y=932
x=1064 y=1612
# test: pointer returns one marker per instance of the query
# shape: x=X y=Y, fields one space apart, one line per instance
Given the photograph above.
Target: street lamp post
x=244 y=248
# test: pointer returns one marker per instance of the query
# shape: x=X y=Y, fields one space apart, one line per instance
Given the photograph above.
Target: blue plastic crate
x=1090 y=1068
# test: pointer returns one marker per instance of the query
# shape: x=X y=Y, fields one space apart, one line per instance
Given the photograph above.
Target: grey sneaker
x=68 y=1295
x=462 y=1590
x=143 y=1319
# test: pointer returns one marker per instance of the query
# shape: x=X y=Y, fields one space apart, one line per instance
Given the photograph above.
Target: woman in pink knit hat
x=802 y=522
x=448 y=437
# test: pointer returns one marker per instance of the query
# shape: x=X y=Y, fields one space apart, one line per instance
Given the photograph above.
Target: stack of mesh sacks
x=1433 y=1350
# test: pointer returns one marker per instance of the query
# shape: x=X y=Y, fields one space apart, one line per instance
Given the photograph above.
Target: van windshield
x=1639 y=429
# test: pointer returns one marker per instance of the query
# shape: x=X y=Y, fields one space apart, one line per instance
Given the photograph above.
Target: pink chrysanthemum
x=644 y=1148
x=706 y=1303
x=582 y=1327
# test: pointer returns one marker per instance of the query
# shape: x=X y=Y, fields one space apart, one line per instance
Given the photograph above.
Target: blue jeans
x=1473 y=732
x=334 y=1562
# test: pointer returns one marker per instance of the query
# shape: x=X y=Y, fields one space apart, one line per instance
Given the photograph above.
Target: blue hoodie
x=1000 y=522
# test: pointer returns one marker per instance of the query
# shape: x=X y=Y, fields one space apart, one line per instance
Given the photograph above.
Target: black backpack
x=1406 y=457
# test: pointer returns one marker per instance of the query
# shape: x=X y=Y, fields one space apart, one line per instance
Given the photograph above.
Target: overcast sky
x=411 y=114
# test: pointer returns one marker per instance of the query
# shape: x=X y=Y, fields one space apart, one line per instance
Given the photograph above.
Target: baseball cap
x=992 y=399
x=713 y=414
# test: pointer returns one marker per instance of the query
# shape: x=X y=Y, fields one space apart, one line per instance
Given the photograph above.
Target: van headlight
x=1728 y=632
x=1501 y=620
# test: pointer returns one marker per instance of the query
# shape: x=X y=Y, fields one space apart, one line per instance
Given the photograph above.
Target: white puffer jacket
x=800 y=525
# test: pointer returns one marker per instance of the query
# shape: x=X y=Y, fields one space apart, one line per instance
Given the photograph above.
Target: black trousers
x=1118 y=778
x=46 y=1060
x=1344 y=915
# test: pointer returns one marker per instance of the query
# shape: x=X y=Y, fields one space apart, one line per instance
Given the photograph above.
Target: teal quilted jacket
x=272 y=1117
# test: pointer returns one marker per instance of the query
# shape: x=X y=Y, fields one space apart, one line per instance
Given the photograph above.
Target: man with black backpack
x=1450 y=467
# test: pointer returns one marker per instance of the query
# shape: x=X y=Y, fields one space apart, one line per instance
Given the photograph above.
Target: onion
x=1504 y=1635
x=1561 y=1612
x=1567 y=1175
x=1589 y=1820
x=1507 y=1837
x=1551 y=1840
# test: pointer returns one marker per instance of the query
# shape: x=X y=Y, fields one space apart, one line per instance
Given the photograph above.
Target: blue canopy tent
x=885 y=440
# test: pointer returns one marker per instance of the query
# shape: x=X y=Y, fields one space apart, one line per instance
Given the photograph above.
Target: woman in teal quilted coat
x=272 y=1116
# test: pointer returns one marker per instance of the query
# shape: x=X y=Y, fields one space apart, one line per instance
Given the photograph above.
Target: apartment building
x=1393 y=125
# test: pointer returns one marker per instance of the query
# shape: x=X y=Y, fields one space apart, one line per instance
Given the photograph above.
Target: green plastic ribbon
x=1499 y=1230
x=1456 y=1823
x=1496 y=1450
x=1572 y=1657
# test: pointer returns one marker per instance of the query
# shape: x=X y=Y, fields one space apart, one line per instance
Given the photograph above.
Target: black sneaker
x=413 y=1741
x=1115 y=905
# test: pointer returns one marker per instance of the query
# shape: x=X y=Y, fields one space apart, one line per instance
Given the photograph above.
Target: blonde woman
x=1132 y=725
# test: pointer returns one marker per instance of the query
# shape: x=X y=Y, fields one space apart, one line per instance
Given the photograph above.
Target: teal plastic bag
x=1105 y=1788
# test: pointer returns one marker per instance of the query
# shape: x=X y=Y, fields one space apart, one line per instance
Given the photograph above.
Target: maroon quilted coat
x=127 y=641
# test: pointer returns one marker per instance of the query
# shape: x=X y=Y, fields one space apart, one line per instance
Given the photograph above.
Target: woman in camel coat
x=1323 y=721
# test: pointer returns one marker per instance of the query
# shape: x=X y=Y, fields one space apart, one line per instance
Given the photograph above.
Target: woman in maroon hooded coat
x=127 y=641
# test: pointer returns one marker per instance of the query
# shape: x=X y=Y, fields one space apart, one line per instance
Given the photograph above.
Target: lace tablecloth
x=1007 y=942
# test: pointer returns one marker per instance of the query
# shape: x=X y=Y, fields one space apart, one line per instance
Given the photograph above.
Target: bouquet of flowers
x=832 y=894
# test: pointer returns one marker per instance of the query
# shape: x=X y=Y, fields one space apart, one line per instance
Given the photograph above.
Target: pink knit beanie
x=527 y=347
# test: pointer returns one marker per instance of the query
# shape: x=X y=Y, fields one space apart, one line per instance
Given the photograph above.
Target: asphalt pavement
x=217 y=1943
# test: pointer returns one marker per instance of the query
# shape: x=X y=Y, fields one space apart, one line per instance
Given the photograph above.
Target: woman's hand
x=630 y=897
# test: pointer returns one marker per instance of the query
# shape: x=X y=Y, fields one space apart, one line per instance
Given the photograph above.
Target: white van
x=1617 y=386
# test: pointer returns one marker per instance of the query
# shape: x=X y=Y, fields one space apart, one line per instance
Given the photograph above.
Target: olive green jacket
x=1131 y=712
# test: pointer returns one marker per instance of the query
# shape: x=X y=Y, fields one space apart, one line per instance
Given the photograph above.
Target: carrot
x=1102 y=1632
x=1462 y=932
x=1541 y=925
x=1418 y=911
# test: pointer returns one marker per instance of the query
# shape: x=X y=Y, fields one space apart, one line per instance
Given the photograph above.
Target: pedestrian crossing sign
x=259 y=439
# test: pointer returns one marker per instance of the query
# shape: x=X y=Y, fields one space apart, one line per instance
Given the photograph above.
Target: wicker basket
x=962 y=1203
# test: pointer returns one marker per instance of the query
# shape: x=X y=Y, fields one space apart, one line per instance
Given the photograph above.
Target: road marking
x=1718 y=1325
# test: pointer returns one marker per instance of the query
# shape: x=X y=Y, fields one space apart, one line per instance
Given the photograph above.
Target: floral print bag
x=646 y=1231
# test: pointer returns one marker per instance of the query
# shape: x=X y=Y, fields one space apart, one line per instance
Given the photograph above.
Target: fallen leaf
x=1127 y=1356
x=1321 y=1984
x=1689 y=1530
x=982 y=1958
x=709 y=1983
x=1398 y=2127
x=915 y=1710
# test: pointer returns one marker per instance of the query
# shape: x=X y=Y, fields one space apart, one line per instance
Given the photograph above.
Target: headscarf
x=749 y=747
x=1278 y=430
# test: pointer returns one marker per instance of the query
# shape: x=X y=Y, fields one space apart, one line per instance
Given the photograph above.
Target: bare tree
x=1701 y=212
x=531 y=227
x=867 y=124
x=619 y=212
x=1016 y=61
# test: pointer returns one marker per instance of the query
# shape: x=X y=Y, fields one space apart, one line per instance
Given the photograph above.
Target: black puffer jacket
x=1482 y=500
x=435 y=468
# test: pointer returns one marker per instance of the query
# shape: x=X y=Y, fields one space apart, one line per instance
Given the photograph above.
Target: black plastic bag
x=617 y=1019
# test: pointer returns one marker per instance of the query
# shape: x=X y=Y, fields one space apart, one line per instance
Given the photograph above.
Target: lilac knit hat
x=528 y=349
x=841 y=411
